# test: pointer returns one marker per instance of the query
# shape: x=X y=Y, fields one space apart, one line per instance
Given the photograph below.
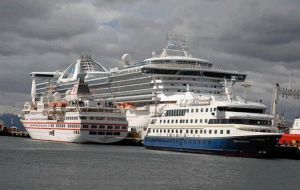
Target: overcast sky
x=258 y=37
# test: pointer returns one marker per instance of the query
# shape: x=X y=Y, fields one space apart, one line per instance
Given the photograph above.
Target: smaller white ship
x=227 y=125
x=74 y=118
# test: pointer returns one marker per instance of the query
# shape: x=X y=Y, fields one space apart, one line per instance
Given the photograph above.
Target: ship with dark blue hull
x=223 y=124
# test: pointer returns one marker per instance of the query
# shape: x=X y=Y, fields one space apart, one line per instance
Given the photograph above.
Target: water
x=36 y=165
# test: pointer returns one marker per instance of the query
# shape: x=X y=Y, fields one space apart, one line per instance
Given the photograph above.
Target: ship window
x=117 y=127
x=168 y=121
x=160 y=130
x=124 y=128
x=164 y=131
x=117 y=133
x=204 y=131
x=180 y=131
x=91 y=118
x=85 y=126
x=200 y=131
x=176 y=131
x=205 y=120
x=187 y=131
x=101 y=127
x=200 y=120
x=215 y=131
x=186 y=120
x=206 y=110
x=187 y=111
x=109 y=133
x=196 y=131
x=164 y=121
x=209 y=131
x=228 y=131
x=168 y=130
x=93 y=133
x=197 y=110
x=183 y=121
x=221 y=131
x=196 y=120
x=191 y=131
x=160 y=121
x=176 y=121
x=82 y=117
x=94 y=127
x=215 y=109
x=191 y=121
x=101 y=133
x=210 y=109
x=172 y=131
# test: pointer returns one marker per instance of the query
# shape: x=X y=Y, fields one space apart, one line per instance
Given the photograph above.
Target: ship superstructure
x=76 y=117
x=146 y=86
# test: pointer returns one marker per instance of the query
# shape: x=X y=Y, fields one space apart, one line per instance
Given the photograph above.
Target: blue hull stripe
x=246 y=145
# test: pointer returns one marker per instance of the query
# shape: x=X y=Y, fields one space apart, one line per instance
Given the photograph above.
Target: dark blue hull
x=249 y=146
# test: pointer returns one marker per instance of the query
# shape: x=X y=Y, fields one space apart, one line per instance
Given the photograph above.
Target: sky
x=258 y=37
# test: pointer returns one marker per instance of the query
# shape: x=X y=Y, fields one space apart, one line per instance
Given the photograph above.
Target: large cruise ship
x=74 y=117
x=216 y=124
x=146 y=87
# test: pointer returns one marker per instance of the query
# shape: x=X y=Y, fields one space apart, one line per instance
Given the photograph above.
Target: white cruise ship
x=146 y=87
x=74 y=118
x=216 y=124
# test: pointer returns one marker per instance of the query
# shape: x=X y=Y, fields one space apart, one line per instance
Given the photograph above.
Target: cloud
x=259 y=37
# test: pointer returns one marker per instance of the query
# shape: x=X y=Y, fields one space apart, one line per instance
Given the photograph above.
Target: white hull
x=63 y=135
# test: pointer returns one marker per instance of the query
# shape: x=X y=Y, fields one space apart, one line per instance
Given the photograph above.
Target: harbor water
x=36 y=165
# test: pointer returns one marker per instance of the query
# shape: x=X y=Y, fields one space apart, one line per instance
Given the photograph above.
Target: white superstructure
x=74 y=118
x=296 y=127
x=147 y=86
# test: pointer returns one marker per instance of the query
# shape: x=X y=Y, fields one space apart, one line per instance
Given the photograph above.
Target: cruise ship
x=218 y=124
x=74 y=117
x=146 y=87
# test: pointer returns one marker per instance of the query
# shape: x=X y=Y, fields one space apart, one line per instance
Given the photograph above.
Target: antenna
x=290 y=81
x=246 y=86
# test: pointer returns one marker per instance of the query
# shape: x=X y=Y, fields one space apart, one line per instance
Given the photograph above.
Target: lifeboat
x=58 y=104
x=125 y=106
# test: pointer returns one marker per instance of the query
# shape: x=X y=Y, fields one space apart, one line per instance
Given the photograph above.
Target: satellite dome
x=56 y=96
x=126 y=58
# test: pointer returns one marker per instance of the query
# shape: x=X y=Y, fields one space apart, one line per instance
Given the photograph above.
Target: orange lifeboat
x=125 y=106
x=58 y=104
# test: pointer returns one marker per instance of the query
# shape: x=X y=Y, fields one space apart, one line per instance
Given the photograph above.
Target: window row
x=184 y=121
x=109 y=133
x=104 y=127
x=189 y=131
x=103 y=118
x=182 y=112
x=185 y=141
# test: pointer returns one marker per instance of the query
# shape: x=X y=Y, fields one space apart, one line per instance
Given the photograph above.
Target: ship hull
x=248 y=146
x=73 y=136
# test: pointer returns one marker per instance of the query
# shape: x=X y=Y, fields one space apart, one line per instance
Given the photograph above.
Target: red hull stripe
x=28 y=122
x=73 y=129
x=289 y=138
